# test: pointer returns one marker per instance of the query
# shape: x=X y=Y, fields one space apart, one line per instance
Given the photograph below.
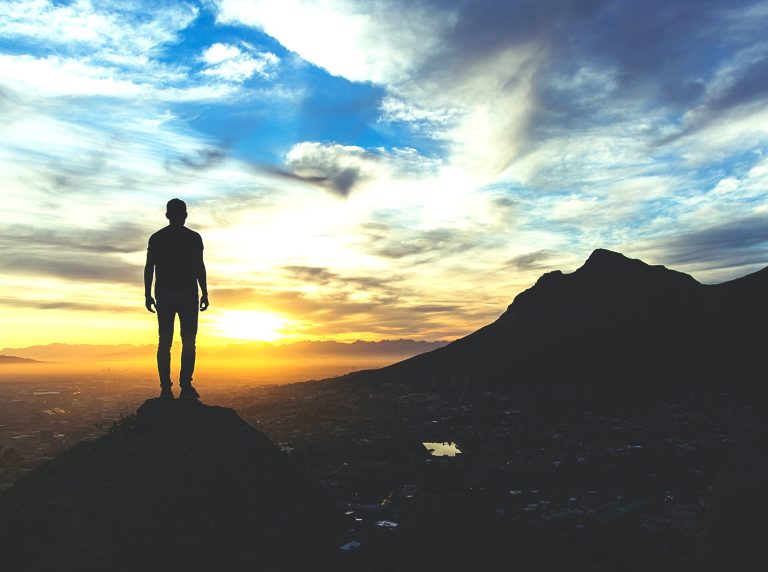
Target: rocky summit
x=180 y=485
x=615 y=323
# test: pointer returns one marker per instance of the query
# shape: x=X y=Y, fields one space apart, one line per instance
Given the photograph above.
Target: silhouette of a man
x=175 y=257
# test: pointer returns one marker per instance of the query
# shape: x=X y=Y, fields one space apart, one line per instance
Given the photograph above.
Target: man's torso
x=176 y=252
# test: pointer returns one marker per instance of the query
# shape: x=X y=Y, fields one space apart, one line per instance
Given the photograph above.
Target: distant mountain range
x=359 y=348
x=614 y=322
x=395 y=349
x=15 y=359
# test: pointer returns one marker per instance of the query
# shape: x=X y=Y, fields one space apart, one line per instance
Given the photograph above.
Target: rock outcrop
x=178 y=486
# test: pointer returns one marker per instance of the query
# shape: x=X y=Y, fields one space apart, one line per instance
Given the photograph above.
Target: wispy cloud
x=120 y=237
x=383 y=168
x=342 y=168
x=237 y=63
x=531 y=260
x=723 y=250
x=70 y=266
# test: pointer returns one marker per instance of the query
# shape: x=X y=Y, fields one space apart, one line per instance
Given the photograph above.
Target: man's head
x=176 y=211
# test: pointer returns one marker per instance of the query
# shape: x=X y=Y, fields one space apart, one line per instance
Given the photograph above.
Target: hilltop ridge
x=613 y=322
x=181 y=485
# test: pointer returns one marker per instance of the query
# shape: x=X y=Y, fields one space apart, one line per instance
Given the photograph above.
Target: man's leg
x=165 y=318
x=188 y=313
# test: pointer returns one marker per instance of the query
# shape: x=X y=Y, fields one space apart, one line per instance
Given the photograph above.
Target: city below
x=545 y=464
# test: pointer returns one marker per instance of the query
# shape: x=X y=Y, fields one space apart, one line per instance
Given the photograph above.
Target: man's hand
x=204 y=303
x=149 y=301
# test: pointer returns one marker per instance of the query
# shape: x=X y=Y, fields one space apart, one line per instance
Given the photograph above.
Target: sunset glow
x=368 y=170
x=250 y=325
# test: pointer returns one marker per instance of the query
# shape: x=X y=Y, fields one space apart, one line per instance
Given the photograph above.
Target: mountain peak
x=172 y=412
x=608 y=258
x=180 y=484
x=606 y=265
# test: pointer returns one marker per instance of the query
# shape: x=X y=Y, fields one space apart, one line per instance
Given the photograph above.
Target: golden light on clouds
x=432 y=187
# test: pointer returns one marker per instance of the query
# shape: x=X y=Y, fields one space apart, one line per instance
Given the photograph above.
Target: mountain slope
x=179 y=485
x=613 y=319
x=17 y=360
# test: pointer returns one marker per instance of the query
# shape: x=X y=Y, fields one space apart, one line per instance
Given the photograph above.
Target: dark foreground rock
x=179 y=486
x=736 y=535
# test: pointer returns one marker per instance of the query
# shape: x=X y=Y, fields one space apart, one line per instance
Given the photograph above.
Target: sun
x=250 y=325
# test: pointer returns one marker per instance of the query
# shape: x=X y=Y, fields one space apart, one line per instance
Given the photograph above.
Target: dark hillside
x=180 y=486
x=616 y=324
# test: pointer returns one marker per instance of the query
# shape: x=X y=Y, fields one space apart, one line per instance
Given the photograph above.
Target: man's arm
x=149 y=270
x=202 y=279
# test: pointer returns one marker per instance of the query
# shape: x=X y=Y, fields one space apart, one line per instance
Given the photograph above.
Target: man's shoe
x=189 y=392
x=165 y=392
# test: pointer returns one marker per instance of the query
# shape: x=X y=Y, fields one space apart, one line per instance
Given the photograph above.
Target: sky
x=372 y=169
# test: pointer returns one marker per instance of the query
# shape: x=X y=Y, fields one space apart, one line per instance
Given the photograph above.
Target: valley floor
x=546 y=479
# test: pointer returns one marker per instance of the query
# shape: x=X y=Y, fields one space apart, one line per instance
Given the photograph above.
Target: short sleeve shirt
x=177 y=254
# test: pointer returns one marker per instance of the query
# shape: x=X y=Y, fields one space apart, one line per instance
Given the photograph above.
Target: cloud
x=218 y=53
x=330 y=303
x=427 y=55
x=419 y=247
x=343 y=168
x=349 y=39
x=70 y=266
x=236 y=64
x=56 y=76
x=498 y=81
x=119 y=50
x=87 y=158
x=121 y=237
x=733 y=245
x=340 y=167
x=200 y=160
x=41 y=304
x=494 y=139
x=103 y=25
x=737 y=90
x=325 y=277
x=531 y=260
x=394 y=109
x=442 y=63
x=108 y=49
x=326 y=314
x=95 y=254
x=744 y=82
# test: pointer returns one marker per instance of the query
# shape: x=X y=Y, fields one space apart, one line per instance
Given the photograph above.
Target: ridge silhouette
x=181 y=486
x=615 y=323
